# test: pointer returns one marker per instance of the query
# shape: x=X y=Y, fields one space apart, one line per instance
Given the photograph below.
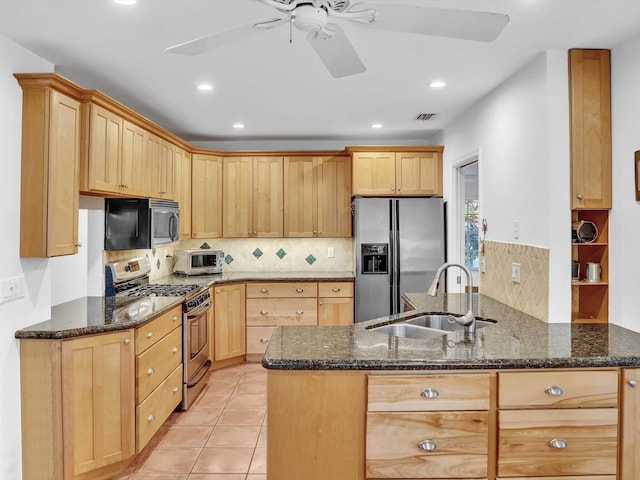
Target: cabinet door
x=419 y=173
x=151 y=180
x=167 y=169
x=237 y=177
x=183 y=191
x=334 y=197
x=301 y=197
x=335 y=311
x=132 y=159
x=206 y=196
x=105 y=137
x=230 y=323
x=590 y=123
x=268 y=201
x=374 y=173
x=98 y=401
x=630 y=425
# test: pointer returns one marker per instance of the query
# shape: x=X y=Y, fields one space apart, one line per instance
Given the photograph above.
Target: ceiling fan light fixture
x=309 y=18
x=438 y=84
x=126 y=3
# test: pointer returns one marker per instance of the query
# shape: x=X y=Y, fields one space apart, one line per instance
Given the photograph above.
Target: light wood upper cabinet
x=590 y=123
x=252 y=197
x=230 y=321
x=206 y=195
x=104 y=150
x=132 y=159
x=98 y=398
x=167 y=170
x=183 y=191
x=403 y=171
x=49 y=194
x=317 y=196
x=152 y=150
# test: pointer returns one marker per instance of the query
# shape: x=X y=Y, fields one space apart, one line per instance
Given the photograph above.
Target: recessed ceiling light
x=437 y=84
x=376 y=125
x=238 y=125
x=127 y=3
x=205 y=87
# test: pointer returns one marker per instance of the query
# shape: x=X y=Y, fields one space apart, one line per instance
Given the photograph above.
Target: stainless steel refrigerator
x=400 y=243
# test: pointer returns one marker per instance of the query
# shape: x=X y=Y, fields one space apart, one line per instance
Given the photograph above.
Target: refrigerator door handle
x=392 y=260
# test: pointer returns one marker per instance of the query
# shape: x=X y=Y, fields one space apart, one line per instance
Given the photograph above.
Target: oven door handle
x=205 y=366
x=199 y=310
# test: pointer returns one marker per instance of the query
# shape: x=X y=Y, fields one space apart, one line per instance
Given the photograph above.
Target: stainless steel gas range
x=130 y=278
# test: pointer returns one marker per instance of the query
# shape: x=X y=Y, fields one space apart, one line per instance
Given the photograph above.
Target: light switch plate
x=11 y=289
x=481 y=263
x=515 y=272
x=331 y=252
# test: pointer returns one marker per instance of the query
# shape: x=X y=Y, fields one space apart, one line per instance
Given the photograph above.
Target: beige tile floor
x=221 y=437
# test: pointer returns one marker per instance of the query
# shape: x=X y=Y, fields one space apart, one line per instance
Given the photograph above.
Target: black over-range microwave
x=138 y=223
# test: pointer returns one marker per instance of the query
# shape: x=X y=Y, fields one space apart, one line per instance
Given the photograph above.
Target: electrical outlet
x=516 y=229
x=482 y=264
x=515 y=272
x=331 y=252
x=11 y=288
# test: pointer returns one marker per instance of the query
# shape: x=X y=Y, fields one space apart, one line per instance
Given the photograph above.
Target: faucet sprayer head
x=433 y=288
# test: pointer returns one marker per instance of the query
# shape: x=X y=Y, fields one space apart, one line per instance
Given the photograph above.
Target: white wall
x=522 y=135
x=35 y=306
x=624 y=223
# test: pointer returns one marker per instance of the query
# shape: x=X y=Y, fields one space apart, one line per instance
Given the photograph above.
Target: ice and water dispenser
x=375 y=258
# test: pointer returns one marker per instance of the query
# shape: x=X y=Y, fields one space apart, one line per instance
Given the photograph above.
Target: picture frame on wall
x=637 y=176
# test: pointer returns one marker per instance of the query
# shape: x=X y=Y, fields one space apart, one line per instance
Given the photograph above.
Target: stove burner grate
x=161 y=290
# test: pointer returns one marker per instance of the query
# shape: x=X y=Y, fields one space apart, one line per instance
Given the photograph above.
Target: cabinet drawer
x=284 y=289
x=459 y=443
x=428 y=392
x=581 y=477
x=152 y=332
x=282 y=311
x=335 y=289
x=524 y=442
x=258 y=339
x=157 y=362
x=558 y=389
x=151 y=414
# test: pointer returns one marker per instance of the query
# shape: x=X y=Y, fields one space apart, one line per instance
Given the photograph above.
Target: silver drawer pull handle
x=149 y=334
x=427 y=445
x=335 y=289
x=264 y=290
x=174 y=349
x=264 y=312
x=558 y=443
x=553 y=390
x=264 y=340
x=299 y=312
x=151 y=371
x=632 y=383
x=429 y=393
x=151 y=418
x=175 y=389
x=299 y=290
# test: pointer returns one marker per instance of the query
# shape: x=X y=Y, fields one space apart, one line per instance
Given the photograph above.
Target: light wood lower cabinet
x=335 y=303
x=630 y=424
x=229 y=322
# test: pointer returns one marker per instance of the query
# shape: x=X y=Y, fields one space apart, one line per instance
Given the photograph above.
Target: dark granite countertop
x=516 y=341
x=92 y=315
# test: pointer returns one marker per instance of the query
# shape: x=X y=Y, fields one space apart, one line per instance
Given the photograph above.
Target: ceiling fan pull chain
x=291 y=28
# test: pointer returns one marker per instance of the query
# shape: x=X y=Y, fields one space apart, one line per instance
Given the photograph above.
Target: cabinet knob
x=264 y=290
x=127 y=341
x=174 y=349
x=264 y=340
x=559 y=443
x=632 y=383
x=299 y=312
x=393 y=189
x=150 y=371
x=151 y=418
x=315 y=232
x=430 y=393
x=319 y=233
x=299 y=290
x=263 y=312
x=149 y=334
x=335 y=289
x=218 y=292
x=175 y=318
x=175 y=389
x=399 y=188
x=580 y=196
x=553 y=390
x=79 y=244
x=427 y=445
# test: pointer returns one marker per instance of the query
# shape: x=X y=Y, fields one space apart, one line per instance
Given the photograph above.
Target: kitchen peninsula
x=524 y=399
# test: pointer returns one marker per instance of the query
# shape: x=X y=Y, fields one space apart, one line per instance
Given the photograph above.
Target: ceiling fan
x=330 y=42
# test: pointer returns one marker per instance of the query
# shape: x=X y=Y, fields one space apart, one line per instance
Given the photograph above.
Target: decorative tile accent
x=532 y=294
x=153 y=252
x=310 y=259
x=228 y=259
x=281 y=253
x=257 y=253
x=158 y=264
x=205 y=245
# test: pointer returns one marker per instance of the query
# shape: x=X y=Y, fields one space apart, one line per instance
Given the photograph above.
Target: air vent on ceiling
x=425 y=116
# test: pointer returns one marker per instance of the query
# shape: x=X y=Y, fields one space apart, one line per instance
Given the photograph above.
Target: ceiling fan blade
x=439 y=22
x=215 y=40
x=336 y=52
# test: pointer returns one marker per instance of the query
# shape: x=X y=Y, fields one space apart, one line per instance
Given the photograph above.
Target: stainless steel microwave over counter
x=135 y=223
x=198 y=261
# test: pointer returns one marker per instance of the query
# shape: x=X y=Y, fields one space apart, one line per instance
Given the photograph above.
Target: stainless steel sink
x=442 y=322
x=407 y=330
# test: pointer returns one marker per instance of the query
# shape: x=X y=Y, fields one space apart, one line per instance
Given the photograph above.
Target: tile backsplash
x=531 y=295
x=256 y=254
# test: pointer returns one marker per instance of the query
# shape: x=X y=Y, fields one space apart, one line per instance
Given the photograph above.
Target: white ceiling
x=281 y=91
